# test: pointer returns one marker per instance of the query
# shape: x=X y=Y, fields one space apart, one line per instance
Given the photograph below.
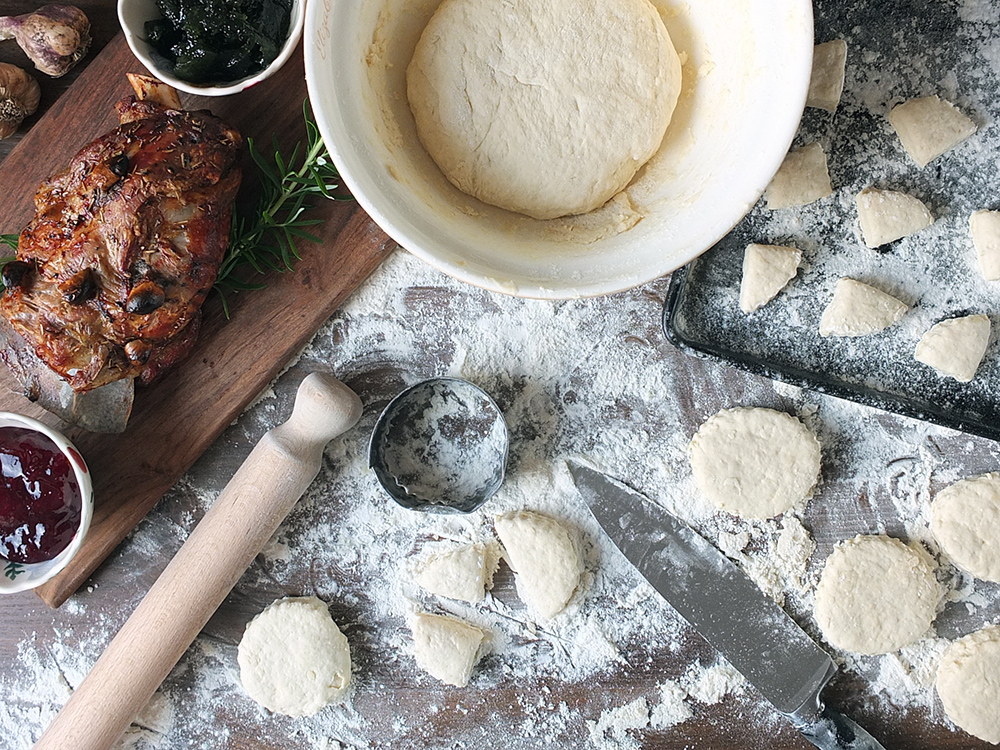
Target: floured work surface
x=174 y=420
x=896 y=51
x=619 y=669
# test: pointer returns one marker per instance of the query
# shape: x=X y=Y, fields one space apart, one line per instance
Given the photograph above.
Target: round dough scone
x=754 y=462
x=293 y=658
x=968 y=681
x=965 y=521
x=545 y=107
x=876 y=595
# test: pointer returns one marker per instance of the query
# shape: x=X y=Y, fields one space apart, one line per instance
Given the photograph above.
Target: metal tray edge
x=802 y=378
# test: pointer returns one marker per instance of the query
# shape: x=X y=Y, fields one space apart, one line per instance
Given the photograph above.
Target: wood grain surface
x=174 y=420
x=397 y=706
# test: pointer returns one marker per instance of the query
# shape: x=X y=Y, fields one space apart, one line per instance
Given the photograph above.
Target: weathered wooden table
x=591 y=378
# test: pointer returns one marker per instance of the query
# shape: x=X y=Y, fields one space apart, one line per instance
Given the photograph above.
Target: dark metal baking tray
x=897 y=49
x=943 y=402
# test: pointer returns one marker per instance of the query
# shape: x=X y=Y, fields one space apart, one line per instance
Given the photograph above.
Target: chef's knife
x=725 y=607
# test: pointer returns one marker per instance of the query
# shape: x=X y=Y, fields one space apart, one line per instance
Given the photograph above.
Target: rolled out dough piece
x=545 y=107
x=766 y=271
x=985 y=229
x=293 y=658
x=463 y=573
x=888 y=215
x=827 y=82
x=955 y=347
x=446 y=648
x=968 y=683
x=802 y=178
x=876 y=595
x=965 y=521
x=929 y=126
x=858 y=310
x=754 y=462
x=545 y=556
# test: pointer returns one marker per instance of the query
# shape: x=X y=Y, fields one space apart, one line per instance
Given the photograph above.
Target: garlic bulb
x=19 y=94
x=54 y=37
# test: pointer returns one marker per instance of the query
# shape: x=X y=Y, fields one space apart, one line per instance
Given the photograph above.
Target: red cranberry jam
x=40 y=503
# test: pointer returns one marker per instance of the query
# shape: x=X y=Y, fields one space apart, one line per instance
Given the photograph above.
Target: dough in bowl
x=968 y=685
x=545 y=107
x=755 y=463
x=965 y=521
x=876 y=595
x=293 y=658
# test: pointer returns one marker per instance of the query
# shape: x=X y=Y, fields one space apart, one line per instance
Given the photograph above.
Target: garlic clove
x=19 y=95
x=54 y=37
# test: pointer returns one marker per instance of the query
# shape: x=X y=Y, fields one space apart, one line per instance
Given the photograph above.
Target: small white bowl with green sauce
x=134 y=15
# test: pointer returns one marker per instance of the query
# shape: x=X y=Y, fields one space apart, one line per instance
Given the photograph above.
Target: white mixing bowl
x=746 y=72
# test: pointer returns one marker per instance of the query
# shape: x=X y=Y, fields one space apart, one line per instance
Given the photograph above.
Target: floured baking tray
x=896 y=51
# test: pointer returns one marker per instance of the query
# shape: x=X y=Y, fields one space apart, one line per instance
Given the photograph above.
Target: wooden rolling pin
x=221 y=547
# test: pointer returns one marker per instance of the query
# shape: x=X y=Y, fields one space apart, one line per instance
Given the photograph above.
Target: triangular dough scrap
x=766 y=271
x=955 y=347
x=929 y=126
x=544 y=555
x=985 y=229
x=464 y=573
x=858 y=310
x=802 y=178
x=888 y=215
x=446 y=648
x=827 y=82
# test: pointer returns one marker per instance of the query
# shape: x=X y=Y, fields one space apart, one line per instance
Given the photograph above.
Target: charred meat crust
x=125 y=244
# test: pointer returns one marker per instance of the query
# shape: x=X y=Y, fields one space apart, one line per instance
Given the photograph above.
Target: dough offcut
x=545 y=107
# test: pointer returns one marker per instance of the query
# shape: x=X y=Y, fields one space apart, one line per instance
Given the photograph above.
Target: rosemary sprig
x=10 y=240
x=266 y=239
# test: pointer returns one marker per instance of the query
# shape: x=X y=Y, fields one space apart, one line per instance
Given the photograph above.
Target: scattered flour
x=707 y=686
x=610 y=731
x=578 y=378
x=672 y=708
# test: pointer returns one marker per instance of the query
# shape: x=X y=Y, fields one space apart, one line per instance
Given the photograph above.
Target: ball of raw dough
x=753 y=462
x=544 y=554
x=965 y=521
x=293 y=658
x=968 y=684
x=876 y=595
x=545 y=107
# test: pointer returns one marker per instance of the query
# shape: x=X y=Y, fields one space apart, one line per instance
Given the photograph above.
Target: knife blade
x=716 y=598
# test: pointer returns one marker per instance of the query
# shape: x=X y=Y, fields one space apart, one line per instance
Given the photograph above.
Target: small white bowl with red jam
x=46 y=502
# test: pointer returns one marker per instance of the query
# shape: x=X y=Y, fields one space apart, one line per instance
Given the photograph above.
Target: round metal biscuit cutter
x=440 y=446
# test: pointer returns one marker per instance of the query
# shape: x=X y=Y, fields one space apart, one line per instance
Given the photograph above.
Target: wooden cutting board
x=176 y=419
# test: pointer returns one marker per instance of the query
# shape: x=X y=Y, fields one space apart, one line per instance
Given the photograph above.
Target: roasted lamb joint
x=125 y=244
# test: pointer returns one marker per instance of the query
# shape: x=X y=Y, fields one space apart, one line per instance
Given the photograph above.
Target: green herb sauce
x=219 y=41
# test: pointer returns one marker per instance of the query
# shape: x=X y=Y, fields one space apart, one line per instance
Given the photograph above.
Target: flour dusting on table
x=592 y=379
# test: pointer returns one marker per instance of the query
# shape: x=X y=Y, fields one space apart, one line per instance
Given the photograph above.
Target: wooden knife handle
x=205 y=569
